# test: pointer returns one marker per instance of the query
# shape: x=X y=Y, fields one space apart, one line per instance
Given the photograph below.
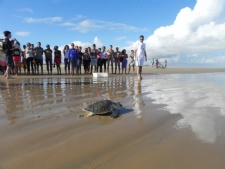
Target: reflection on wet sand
x=166 y=122
x=41 y=97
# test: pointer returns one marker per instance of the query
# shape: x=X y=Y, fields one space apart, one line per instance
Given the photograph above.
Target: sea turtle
x=104 y=107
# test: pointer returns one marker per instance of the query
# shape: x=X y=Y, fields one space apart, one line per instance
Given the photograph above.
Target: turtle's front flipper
x=115 y=113
x=90 y=114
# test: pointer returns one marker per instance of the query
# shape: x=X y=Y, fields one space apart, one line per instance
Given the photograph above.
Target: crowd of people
x=30 y=58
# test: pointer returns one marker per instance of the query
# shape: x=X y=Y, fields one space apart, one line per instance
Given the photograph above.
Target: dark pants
x=29 y=62
x=39 y=62
x=67 y=64
x=86 y=64
x=102 y=63
x=49 y=64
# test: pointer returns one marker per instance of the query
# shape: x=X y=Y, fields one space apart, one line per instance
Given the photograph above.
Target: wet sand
x=40 y=125
x=146 y=70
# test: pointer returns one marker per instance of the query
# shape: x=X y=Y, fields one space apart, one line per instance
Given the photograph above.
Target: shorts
x=9 y=60
x=73 y=62
x=16 y=58
x=57 y=60
x=39 y=62
x=94 y=62
x=131 y=64
x=110 y=61
x=124 y=63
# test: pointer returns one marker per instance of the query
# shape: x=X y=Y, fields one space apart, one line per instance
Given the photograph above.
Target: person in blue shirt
x=73 y=59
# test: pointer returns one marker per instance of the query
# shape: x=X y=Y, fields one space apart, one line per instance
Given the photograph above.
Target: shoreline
x=146 y=70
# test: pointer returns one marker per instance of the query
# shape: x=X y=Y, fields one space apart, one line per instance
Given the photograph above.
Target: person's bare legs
x=19 y=67
x=7 y=73
x=16 y=69
x=138 y=73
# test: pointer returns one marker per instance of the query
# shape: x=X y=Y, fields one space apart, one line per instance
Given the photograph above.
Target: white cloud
x=43 y=20
x=25 y=10
x=22 y=33
x=79 y=17
x=95 y=25
x=193 y=31
x=120 y=38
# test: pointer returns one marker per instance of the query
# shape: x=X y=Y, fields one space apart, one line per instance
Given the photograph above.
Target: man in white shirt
x=140 y=56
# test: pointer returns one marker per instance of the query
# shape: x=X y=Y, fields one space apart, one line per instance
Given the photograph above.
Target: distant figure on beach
x=29 y=59
x=93 y=57
x=165 y=63
x=131 y=64
x=39 y=51
x=156 y=63
x=16 y=56
x=110 y=59
x=24 y=64
x=66 y=63
x=2 y=58
x=103 y=59
x=124 y=61
x=57 y=59
x=73 y=58
x=48 y=58
x=153 y=62
x=99 y=59
x=140 y=57
x=117 y=60
x=86 y=58
x=80 y=53
x=7 y=50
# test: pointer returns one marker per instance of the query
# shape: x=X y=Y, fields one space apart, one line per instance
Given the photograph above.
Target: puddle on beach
x=183 y=104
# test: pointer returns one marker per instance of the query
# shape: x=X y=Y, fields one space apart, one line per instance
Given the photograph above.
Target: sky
x=185 y=32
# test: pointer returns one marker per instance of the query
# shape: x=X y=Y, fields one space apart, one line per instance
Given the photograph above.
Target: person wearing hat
x=48 y=58
x=57 y=59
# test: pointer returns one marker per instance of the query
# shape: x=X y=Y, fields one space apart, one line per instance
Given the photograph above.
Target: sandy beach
x=174 y=119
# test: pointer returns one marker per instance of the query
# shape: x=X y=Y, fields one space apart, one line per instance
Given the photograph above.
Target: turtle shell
x=101 y=107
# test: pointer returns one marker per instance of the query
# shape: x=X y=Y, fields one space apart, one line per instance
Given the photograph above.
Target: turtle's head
x=118 y=105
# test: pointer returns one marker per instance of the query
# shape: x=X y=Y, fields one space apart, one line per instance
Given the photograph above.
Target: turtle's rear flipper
x=115 y=114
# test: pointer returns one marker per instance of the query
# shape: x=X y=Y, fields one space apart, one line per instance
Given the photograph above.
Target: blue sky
x=116 y=22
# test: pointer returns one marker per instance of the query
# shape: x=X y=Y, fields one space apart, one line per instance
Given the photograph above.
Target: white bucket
x=100 y=74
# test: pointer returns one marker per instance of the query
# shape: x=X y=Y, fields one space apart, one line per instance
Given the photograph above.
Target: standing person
x=16 y=57
x=124 y=62
x=99 y=60
x=153 y=62
x=72 y=58
x=140 y=56
x=29 y=58
x=131 y=64
x=156 y=63
x=2 y=58
x=94 y=58
x=39 y=57
x=48 y=58
x=103 y=59
x=165 y=63
x=7 y=50
x=89 y=59
x=66 y=63
x=24 y=65
x=86 y=58
x=34 y=60
x=110 y=59
x=57 y=59
x=80 y=53
x=117 y=60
